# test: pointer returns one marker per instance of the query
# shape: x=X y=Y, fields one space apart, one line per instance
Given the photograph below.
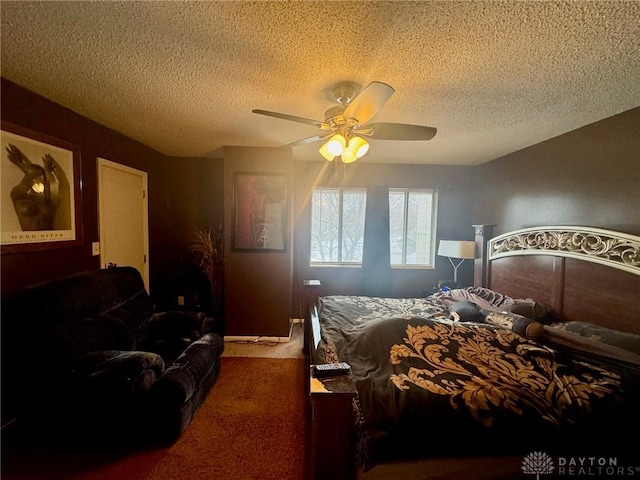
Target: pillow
x=462 y=295
x=491 y=300
x=616 y=338
x=497 y=300
x=465 y=312
x=523 y=326
x=529 y=308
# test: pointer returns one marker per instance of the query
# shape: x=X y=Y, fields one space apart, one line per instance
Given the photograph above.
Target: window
x=337 y=226
x=412 y=220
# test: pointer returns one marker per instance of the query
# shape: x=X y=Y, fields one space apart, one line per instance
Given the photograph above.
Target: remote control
x=331 y=369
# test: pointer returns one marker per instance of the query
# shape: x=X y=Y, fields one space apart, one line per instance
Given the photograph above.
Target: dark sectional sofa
x=86 y=358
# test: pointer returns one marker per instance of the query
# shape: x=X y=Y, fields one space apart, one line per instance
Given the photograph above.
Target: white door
x=123 y=217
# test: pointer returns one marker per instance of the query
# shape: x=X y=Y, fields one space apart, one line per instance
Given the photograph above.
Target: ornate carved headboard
x=582 y=273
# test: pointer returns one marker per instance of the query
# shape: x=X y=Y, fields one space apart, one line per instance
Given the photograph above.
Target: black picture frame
x=260 y=203
x=41 y=195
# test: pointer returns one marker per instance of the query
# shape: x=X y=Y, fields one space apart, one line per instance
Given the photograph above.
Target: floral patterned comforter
x=422 y=376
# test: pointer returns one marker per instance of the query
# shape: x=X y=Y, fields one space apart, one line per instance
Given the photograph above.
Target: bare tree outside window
x=412 y=227
x=337 y=225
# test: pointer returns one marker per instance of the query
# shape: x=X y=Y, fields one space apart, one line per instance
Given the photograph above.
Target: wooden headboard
x=582 y=273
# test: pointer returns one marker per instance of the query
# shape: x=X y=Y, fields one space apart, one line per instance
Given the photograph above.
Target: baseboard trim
x=255 y=339
x=262 y=338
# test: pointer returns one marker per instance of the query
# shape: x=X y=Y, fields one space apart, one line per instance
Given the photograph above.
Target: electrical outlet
x=180 y=300
x=95 y=248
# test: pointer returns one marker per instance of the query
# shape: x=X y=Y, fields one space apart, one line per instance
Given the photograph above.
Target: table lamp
x=461 y=249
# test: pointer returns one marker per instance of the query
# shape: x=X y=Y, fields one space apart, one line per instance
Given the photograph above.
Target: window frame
x=434 y=221
x=339 y=263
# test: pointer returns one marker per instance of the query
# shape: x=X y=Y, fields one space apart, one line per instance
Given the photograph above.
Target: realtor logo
x=537 y=463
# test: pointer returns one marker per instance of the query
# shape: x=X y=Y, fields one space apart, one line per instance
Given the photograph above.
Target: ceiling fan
x=348 y=122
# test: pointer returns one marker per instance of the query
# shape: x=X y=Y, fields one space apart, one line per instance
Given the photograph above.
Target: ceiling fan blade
x=304 y=141
x=367 y=103
x=399 y=131
x=293 y=118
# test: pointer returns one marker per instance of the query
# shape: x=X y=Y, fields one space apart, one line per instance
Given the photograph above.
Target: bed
x=540 y=357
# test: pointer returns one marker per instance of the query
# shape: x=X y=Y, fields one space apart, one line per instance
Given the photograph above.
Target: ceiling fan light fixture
x=336 y=144
x=324 y=151
x=358 y=146
x=348 y=156
x=349 y=121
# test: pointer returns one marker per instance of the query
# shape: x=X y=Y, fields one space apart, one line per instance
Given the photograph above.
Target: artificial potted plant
x=207 y=248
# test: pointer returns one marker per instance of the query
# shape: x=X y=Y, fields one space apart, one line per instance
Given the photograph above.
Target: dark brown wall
x=187 y=194
x=590 y=176
x=257 y=283
x=182 y=192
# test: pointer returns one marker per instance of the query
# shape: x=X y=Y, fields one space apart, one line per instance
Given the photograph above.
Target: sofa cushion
x=75 y=337
x=87 y=294
x=113 y=379
x=134 y=312
x=73 y=315
x=170 y=333
x=116 y=363
x=177 y=324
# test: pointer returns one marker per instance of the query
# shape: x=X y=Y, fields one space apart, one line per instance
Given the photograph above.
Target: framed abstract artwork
x=259 y=212
x=40 y=196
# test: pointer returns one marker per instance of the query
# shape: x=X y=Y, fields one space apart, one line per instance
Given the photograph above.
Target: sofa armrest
x=179 y=392
x=183 y=377
x=213 y=325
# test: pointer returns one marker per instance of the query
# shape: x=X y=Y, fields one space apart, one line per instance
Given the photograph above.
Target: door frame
x=103 y=162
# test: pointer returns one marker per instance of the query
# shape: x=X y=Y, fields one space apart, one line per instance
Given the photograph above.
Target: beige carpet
x=268 y=349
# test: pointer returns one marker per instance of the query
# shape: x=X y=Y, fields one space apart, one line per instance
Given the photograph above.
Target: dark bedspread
x=422 y=376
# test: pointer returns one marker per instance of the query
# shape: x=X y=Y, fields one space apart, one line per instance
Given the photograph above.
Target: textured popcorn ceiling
x=183 y=77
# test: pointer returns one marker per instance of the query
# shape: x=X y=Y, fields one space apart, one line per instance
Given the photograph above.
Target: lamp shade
x=348 y=156
x=358 y=146
x=457 y=249
x=336 y=144
x=324 y=151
